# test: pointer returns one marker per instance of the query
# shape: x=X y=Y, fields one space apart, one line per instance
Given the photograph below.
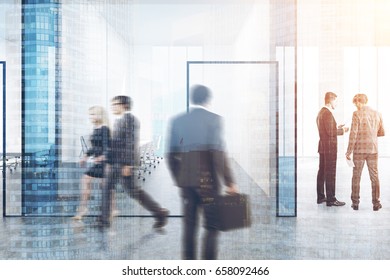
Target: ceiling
x=174 y=22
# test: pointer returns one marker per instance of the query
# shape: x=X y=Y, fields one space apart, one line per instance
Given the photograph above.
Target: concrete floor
x=317 y=233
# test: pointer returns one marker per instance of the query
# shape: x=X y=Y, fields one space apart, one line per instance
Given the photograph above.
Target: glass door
x=246 y=95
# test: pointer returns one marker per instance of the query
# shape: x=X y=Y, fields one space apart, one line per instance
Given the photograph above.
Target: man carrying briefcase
x=196 y=160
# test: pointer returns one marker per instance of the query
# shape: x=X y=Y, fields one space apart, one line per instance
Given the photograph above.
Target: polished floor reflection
x=319 y=232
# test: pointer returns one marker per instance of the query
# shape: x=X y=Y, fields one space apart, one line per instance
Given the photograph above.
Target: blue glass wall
x=40 y=104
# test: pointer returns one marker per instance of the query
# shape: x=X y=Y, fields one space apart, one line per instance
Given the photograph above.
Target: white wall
x=344 y=48
x=10 y=45
x=95 y=67
x=217 y=32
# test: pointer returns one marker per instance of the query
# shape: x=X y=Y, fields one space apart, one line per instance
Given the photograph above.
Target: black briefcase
x=232 y=212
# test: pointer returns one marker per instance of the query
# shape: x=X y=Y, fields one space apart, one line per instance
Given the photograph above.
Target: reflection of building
x=74 y=56
x=41 y=105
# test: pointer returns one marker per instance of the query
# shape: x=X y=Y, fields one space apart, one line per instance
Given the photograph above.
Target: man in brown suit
x=366 y=126
x=327 y=148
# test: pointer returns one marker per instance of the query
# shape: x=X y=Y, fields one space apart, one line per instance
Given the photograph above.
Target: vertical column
x=40 y=104
x=284 y=50
x=3 y=150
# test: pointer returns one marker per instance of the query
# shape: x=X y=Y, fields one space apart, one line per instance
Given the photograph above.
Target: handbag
x=231 y=211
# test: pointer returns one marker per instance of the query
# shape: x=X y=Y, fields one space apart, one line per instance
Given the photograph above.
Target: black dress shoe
x=355 y=206
x=377 y=207
x=335 y=203
x=322 y=200
x=161 y=218
x=103 y=226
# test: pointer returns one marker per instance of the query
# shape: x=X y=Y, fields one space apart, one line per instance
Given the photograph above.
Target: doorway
x=250 y=109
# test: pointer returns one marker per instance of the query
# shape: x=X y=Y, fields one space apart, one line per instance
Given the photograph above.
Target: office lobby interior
x=268 y=64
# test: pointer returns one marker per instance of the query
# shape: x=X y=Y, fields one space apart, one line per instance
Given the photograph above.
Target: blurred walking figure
x=197 y=160
x=124 y=159
x=366 y=126
x=100 y=143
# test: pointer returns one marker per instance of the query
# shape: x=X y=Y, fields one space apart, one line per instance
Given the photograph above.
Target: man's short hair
x=329 y=96
x=200 y=94
x=124 y=100
x=361 y=98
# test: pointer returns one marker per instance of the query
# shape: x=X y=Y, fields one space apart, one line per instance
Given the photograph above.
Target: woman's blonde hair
x=102 y=113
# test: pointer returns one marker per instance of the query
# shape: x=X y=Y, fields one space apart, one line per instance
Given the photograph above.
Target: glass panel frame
x=275 y=160
x=3 y=149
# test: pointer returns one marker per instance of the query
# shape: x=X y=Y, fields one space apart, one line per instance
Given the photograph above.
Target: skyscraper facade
x=41 y=106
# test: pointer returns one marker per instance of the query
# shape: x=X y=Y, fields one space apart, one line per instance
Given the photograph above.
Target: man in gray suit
x=366 y=126
x=123 y=159
x=197 y=162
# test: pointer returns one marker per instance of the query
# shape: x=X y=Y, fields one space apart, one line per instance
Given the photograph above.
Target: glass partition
x=242 y=95
x=3 y=80
x=11 y=141
x=66 y=56
x=246 y=95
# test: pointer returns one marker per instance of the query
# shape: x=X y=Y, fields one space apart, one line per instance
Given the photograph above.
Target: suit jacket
x=328 y=131
x=366 y=126
x=196 y=153
x=125 y=141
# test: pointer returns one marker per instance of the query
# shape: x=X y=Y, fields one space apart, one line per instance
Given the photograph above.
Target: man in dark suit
x=327 y=148
x=123 y=159
x=197 y=162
